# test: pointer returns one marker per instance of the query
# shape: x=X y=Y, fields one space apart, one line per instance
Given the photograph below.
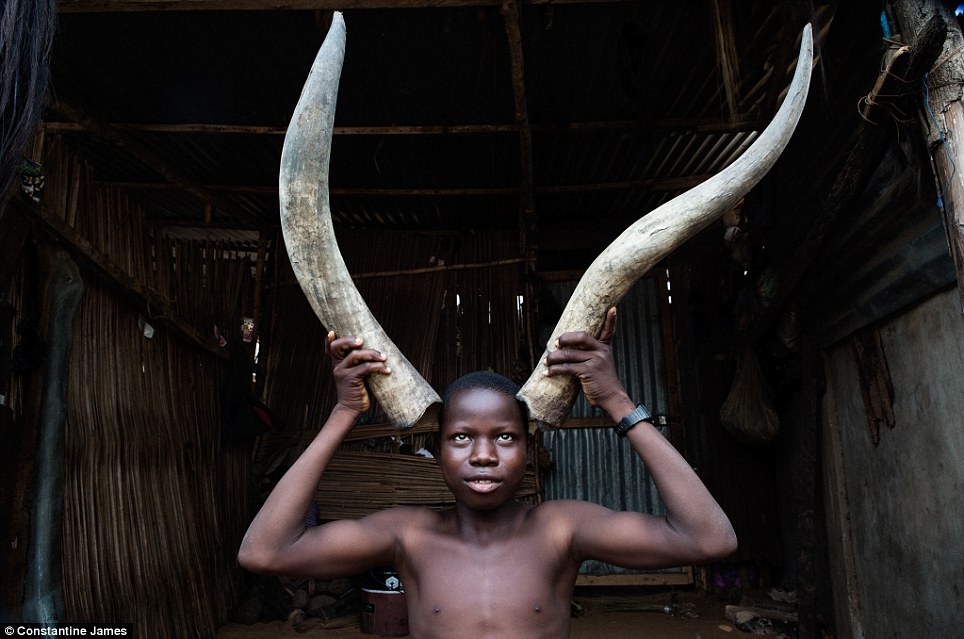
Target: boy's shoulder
x=567 y=516
x=406 y=516
x=566 y=509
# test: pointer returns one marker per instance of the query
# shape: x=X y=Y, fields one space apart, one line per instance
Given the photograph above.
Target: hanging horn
x=406 y=398
x=654 y=236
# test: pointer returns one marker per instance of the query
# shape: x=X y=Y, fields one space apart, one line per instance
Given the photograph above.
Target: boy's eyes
x=502 y=437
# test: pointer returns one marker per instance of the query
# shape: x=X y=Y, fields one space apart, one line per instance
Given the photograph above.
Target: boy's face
x=483 y=448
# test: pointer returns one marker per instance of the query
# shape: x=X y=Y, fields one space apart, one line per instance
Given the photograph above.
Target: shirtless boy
x=491 y=566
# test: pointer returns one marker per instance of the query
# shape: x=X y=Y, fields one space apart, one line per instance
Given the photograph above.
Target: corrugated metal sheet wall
x=591 y=463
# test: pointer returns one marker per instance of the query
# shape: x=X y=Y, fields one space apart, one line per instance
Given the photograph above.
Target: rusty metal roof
x=625 y=104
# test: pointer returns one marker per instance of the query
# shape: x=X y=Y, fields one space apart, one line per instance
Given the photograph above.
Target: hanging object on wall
x=145 y=327
x=747 y=413
x=247 y=329
x=31 y=178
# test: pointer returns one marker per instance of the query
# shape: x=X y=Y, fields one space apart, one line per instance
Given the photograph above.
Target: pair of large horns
x=405 y=396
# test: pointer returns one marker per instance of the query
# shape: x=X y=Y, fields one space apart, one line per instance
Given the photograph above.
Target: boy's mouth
x=483 y=485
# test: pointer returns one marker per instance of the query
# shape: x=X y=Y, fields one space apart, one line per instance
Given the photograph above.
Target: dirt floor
x=607 y=616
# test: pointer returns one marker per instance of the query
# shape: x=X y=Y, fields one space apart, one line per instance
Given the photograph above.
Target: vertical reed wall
x=155 y=500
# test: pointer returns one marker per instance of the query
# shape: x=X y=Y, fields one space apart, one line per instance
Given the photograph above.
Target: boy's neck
x=485 y=526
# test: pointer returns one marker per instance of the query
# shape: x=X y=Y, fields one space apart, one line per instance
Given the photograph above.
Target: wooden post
x=943 y=119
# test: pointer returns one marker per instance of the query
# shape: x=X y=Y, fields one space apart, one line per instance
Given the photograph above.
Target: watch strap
x=626 y=424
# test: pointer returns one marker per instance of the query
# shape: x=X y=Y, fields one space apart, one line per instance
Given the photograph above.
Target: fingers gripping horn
x=654 y=236
x=405 y=396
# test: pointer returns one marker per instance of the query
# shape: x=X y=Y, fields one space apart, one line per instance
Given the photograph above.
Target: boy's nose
x=483 y=454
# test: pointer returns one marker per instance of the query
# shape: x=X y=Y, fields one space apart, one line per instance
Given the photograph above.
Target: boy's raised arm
x=277 y=542
x=695 y=528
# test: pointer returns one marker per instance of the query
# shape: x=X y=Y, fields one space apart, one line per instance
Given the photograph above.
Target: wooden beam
x=437 y=269
x=142 y=296
x=527 y=204
x=102 y=6
x=742 y=122
x=943 y=125
x=726 y=52
x=639 y=579
x=654 y=184
x=141 y=152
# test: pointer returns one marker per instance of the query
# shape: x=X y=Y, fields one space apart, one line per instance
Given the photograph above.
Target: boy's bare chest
x=522 y=583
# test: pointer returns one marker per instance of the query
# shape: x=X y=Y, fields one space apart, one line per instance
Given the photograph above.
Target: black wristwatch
x=626 y=424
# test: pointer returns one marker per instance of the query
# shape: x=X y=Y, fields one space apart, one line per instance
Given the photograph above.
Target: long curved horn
x=652 y=237
x=404 y=395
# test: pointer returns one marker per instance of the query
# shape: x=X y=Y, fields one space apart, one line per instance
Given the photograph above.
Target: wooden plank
x=101 y=6
x=436 y=269
x=742 y=122
x=653 y=184
x=587 y=422
x=639 y=579
x=843 y=565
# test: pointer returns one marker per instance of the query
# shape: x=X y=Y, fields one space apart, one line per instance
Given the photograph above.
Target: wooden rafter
x=134 y=147
x=735 y=124
x=527 y=206
x=652 y=184
x=102 y=6
x=726 y=52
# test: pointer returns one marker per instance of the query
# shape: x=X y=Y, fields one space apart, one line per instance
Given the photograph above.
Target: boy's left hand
x=591 y=360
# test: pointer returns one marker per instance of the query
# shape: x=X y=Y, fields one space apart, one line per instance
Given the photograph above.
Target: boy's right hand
x=352 y=364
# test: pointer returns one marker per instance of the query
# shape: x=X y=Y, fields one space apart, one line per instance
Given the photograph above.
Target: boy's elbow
x=255 y=560
x=728 y=544
x=721 y=544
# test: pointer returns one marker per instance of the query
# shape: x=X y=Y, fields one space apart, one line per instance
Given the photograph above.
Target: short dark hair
x=486 y=380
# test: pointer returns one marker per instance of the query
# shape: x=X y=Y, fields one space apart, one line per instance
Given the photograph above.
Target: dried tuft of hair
x=26 y=37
